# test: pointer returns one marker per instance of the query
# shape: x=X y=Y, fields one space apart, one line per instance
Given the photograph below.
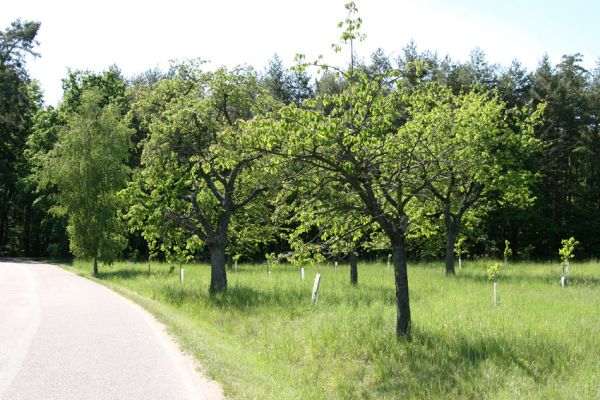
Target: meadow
x=264 y=340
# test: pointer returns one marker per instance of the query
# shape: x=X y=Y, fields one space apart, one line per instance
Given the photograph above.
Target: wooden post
x=315 y=292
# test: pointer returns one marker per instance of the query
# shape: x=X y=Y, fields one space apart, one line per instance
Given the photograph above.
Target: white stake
x=315 y=292
x=235 y=265
x=495 y=294
x=563 y=281
x=335 y=265
x=180 y=274
x=459 y=262
x=302 y=273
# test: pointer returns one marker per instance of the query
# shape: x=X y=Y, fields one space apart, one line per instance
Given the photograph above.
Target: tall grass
x=263 y=339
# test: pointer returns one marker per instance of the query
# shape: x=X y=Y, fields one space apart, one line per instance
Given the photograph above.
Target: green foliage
x=493 y=271
x=19 y=101
x=475 y=149
x=200 y=182
x=566 y=251
x=507 y=250
x=87 y=166
x=286 y=86
x=460 y=247
x=110 y=85
x=16 y=42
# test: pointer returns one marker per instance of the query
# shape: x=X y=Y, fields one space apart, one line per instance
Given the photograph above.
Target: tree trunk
x=401 y=280
x=95 y=265
x=3 y=224
x=218 y=275
x=353 y=269
x=451 y=235
x=27 y=232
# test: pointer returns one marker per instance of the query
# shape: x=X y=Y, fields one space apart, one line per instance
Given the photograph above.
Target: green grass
x=263 y=340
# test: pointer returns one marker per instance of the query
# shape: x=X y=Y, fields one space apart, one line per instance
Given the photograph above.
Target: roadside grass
x=263 y=340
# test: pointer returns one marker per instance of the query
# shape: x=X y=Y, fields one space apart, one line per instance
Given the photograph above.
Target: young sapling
x=459 y=249
x=235 y=261
x=507 y=251
x=492 y=274
x=270 y=260
x=566 y=253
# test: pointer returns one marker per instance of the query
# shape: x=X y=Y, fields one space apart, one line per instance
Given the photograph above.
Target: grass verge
x=263 y=340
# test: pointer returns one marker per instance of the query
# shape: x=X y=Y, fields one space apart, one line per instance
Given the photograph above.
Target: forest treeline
x=191 y=146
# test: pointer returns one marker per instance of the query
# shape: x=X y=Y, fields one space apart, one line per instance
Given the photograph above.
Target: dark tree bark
x=95 y=265
x=353 y=269
x=452 y=220
x=401 y=280
x=26 y=248
x=452 y=224
x=3 y=224
x=218 y=274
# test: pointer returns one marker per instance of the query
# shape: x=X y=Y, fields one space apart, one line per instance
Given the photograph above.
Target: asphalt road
x=65 y=337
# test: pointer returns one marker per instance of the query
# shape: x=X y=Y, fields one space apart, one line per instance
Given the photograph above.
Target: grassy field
x=263 y=340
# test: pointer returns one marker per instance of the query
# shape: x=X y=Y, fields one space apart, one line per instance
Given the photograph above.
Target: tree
x=320 y=216
x=477 y=71
x=479 y=149
x=48 y=232
x=88 y=166
x=19 y=100
x=276 y=81
x=351 y=139
x=198 y=178
x=109 y=84
x=286 y=86
x=567 y=194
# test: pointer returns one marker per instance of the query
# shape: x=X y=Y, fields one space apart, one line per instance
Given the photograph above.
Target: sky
x=137 y=35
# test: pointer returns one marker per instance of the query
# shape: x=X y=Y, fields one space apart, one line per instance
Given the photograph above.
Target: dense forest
x=215 y=164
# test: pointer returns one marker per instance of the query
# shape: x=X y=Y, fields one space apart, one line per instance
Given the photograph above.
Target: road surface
x=65 y=337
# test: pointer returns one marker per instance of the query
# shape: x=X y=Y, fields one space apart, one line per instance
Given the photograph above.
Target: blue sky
x=137 y=35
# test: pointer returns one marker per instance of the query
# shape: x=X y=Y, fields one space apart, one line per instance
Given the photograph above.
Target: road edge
x=209 y=388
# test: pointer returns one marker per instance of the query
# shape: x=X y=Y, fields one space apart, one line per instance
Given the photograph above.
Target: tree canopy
x=199 y=183
x=88 y=166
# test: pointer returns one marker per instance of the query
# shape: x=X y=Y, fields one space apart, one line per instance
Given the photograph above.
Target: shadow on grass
x=441 y=366
x=105 y=274
x=245 y=298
